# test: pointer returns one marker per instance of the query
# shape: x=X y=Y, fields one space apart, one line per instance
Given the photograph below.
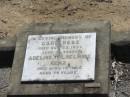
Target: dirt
x=16 y=13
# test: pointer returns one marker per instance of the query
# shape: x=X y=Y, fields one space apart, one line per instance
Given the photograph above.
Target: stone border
x=102 y=60
x=118 y=38
x=7 y=43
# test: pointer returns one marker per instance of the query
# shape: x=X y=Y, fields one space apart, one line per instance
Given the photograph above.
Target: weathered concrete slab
x=102 y=28
x=120 y=38
x=7 y=43
x=120 y=46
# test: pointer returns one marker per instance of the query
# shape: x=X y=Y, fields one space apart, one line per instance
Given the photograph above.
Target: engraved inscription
x=60 y=57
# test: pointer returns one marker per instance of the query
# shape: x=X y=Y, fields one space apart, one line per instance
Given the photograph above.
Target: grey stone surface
x=7 y=43
x=120 y=38
x=102 y=59
x=4 y=81
x=94 y=85
x=124 y=89
x=4 y=78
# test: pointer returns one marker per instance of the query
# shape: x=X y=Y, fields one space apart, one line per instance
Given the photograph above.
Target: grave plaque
x=58 y=57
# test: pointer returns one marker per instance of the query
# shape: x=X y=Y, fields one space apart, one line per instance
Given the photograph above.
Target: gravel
x=119 y=79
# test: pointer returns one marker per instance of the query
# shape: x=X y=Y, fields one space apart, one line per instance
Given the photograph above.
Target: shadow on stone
x=121 y=52
x=6 y=58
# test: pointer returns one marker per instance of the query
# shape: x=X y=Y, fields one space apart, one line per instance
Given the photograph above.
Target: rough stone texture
x=102 y=59
x=4 y=81
x=122 y=87
x=122 y=91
